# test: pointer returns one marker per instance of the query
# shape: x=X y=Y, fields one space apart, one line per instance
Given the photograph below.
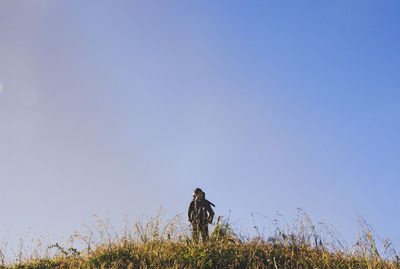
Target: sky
x=126 y=106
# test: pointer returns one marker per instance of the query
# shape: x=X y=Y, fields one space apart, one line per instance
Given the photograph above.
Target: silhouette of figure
x=200 y=214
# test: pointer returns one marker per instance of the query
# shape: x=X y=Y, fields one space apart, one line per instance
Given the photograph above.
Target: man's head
x=198 y=193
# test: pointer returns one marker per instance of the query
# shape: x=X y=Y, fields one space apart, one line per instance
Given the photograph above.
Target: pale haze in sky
x=126 y=106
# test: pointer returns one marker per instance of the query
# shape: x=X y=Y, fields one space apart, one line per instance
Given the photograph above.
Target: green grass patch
x=154 y=243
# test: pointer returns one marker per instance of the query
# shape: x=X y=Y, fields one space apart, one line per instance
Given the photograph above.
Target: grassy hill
x=154 y=243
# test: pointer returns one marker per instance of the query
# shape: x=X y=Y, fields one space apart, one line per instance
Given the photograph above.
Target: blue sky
x=267 y=105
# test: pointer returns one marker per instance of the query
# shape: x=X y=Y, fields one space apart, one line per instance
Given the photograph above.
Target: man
x=200 y=214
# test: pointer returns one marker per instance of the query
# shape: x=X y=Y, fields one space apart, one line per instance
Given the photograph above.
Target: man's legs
x=195 y=231
x=204 y=232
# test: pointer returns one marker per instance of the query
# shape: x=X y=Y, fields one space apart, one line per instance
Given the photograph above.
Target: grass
x=155 y=243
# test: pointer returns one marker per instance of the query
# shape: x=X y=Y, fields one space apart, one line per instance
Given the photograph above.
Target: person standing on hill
x=200 y=214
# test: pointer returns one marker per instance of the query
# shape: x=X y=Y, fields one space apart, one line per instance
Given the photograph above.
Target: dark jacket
x=200 y=210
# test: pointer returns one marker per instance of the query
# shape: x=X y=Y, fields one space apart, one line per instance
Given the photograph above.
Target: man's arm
x=211 y=212
x=190 y=210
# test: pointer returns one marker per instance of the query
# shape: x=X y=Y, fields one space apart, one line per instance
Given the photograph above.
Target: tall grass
x=153 y=242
